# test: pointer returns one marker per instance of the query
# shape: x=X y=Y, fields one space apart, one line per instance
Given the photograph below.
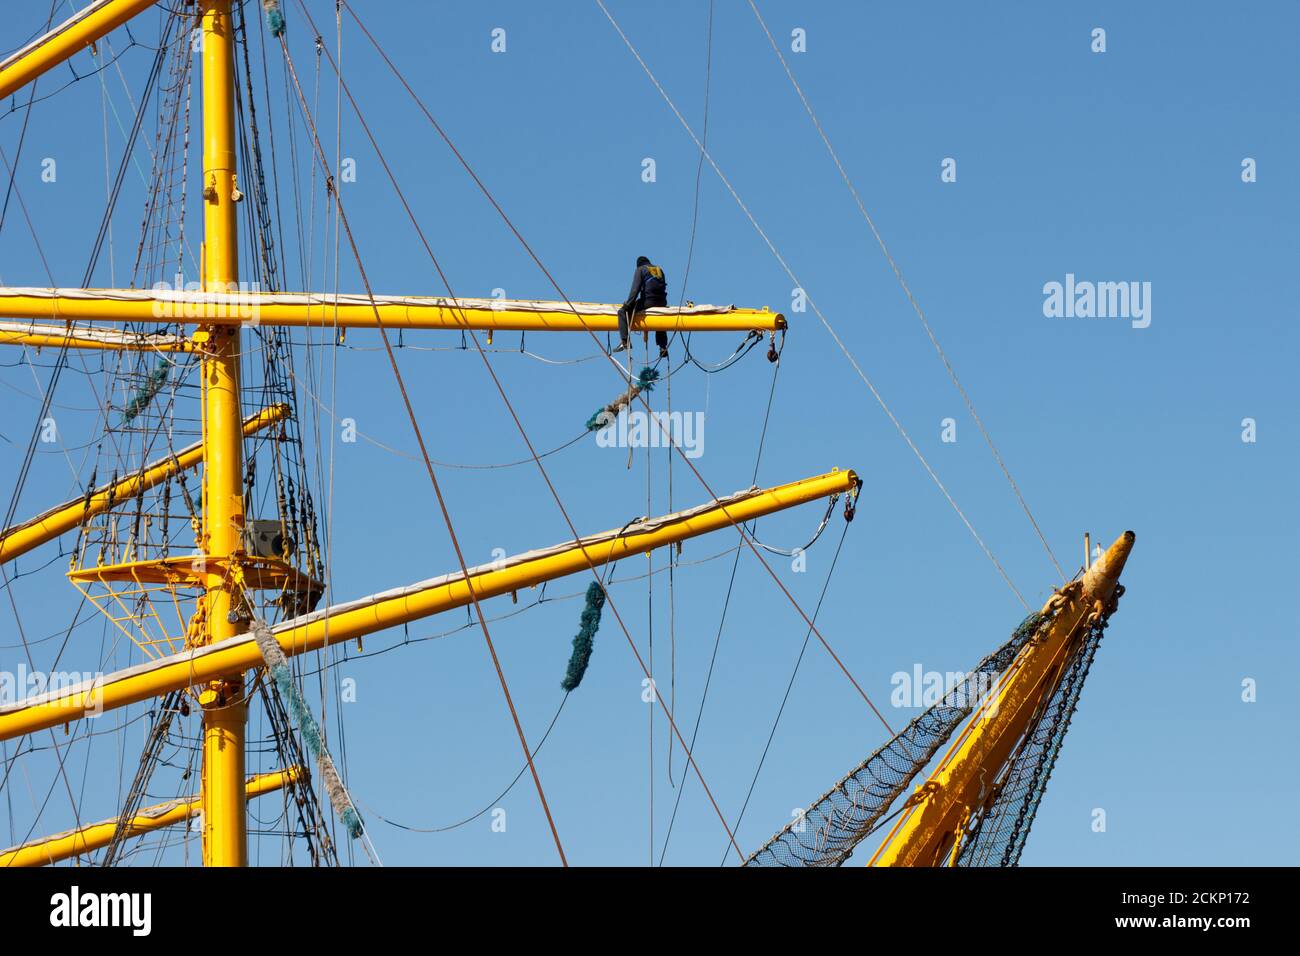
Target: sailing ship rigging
x=199 y=533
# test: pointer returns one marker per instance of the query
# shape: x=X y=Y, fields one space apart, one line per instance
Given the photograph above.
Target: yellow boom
x=326 y=310
x=929 y=831
x=345 y=622
x=68 y=38
x=93 y=836
x=31 y=534
x=90 y=337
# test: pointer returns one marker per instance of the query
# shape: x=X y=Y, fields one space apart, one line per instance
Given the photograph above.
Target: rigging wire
x=512 y=412
x=726 y=604
x=816 y=309
x=28 y=460
x=907 y=291
x=442 y=464
x=745 y=539
x=523 y=432
x=686 y=275
x=608 y=581
x=492 y=803
x=290 y=485
x=342 y=219
x=780 y=711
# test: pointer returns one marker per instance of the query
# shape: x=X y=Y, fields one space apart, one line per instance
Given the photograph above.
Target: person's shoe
x=621 y=347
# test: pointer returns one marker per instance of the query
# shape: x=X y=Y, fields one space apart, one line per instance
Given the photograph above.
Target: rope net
x=827 y=833
x=997 y=837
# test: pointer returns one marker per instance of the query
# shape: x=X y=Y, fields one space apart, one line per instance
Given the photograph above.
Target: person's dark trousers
x=661 y=337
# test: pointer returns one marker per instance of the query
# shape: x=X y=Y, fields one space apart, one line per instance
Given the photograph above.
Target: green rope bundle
x=585 y=639
x=145 y=394
x=274 y=17
x=644 y=382
x=646 y=378
x=307 y=726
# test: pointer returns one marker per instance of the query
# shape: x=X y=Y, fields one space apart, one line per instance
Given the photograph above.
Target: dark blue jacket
x=649 y=289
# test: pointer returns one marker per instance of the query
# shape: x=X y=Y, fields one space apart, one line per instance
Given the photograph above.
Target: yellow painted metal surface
x=254 y=573
x=95 y=836
x=926 y=833
x=225 y=821
x=32 y=534
x=231 y=308
x=66 y=40
x=195 y=668
x=151 y=601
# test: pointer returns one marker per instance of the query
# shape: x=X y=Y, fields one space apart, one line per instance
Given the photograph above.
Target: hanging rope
x=278 y=666
x=151 y=386
x=532 y=254
x=826 y=518
x=584 y=641
x=419 y=437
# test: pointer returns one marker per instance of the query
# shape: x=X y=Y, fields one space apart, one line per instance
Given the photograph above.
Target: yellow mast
x=225 y=712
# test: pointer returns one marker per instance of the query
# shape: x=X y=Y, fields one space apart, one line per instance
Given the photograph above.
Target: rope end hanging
x=145 y=394
x=278 y=666
x=584 y=641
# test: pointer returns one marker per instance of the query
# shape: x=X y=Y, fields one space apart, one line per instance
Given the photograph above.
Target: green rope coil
x=646 y=378
x=584 y=641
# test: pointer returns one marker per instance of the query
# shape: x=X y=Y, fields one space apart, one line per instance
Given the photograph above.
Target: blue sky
x=1116 y=166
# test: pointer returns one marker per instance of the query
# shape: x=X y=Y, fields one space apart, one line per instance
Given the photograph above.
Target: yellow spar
x=227 y=306
x=356 y=619
x=929 y=830
x=64 y=41
x=31 y=534
x=90 y=337
x=94 y=836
